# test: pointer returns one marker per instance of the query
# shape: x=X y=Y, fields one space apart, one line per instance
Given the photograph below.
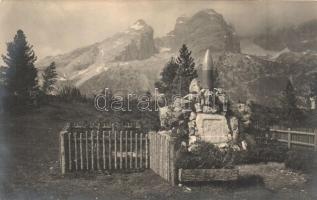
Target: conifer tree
x=49 y=78
x=186 y=72
x=216 y=79
x=165 y=84
x=313 y=85
x=289 y=103
x=21 y=76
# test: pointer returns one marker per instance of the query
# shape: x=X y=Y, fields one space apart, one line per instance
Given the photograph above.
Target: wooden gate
x=97 y=149
x=163 y=156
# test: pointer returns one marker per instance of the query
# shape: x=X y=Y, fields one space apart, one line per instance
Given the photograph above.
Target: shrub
x=304 y=160
x=206 y=156
x=69 y=94
x=273 y=151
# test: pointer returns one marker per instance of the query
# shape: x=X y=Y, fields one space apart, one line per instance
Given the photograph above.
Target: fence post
x=81 y=151
x=141 y=150
x=62 y=151
x=76 y=156
x=103 y=150
x=115 y=149
x=126 y=150
x=136 y=150
x=86 y=149
x=173 y=157
x=110 y=150
x=97 y=150
x=315 y=137
x=146 y=151
x=120 y=150
x=69 y=152
x=92 y=150
x=131 y=150
x=289 y=138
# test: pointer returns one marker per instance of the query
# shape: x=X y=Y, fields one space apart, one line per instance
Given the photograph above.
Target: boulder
x=234 y=126
x=195 y=86
x=165 y=116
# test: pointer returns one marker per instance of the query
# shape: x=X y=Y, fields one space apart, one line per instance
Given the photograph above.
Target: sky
x=55 y=26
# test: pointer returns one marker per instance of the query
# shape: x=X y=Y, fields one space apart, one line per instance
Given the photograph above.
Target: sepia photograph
x=158 y=100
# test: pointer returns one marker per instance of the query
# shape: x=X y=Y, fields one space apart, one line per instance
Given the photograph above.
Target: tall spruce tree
x=186 y=71
x=289 y=103
x=165 y=84
x=49 y=78
x=216 y=79
x=313 y=85
x=21 y=76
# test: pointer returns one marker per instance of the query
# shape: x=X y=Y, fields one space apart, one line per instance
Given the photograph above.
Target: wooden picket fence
x=163 y=156
x=295 y=138
x=84 y=149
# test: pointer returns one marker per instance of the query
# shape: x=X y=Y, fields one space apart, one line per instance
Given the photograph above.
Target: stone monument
x=207 y=111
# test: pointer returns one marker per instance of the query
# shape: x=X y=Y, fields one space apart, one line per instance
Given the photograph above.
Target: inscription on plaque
x=212 y=128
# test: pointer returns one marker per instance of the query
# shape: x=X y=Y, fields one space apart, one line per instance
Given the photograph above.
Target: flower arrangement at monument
x=210 y=133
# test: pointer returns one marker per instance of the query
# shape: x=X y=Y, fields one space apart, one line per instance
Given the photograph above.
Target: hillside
x=296 y=38
x=78 y=66
x=131 y=60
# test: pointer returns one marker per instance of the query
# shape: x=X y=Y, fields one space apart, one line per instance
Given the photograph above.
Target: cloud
x=60 y=26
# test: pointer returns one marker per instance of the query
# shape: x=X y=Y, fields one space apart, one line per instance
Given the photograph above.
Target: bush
x=206 y=156
x=304 y=160
x=70 y=94
x=273 y=151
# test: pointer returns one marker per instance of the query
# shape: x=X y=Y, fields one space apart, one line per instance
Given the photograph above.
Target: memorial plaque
x=212 y=128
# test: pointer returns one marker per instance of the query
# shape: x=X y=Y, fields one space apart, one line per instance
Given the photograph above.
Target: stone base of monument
x=207 y=175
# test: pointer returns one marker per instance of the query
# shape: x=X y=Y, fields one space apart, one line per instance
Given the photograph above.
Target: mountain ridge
x=132 y=60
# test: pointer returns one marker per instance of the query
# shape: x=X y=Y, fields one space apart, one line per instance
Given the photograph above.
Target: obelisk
x=207 y=71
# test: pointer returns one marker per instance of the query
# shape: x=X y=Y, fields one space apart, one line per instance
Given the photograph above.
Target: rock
x=212 y=128
x=142 y=47
x=177 y=105
x=213 y=33
x=244 y=145
x=192 y=144
x=192 y=127
x=192 y=116
x=198 y=107
x=165 y=132
x=192 y=139
x=234 y=126
x=165 y=116
x=208 y=109
x=195 y=86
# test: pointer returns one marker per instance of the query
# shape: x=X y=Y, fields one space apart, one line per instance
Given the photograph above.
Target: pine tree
x=216 y=79
x=289 y=103
x=21 y=75
x=49 y=78
x=186 y=72
x=165 y=84
x=313 y=85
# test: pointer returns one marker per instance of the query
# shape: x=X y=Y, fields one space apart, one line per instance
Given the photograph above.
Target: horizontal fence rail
x=295 y=137
x=162 y=156
x=103 y=150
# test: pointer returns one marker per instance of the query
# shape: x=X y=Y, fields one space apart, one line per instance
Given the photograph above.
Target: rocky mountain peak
x=206 y=29
x=139 y=25
x=141 y=45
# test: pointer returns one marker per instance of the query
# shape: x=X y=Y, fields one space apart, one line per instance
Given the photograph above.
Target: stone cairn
x=207 y=112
